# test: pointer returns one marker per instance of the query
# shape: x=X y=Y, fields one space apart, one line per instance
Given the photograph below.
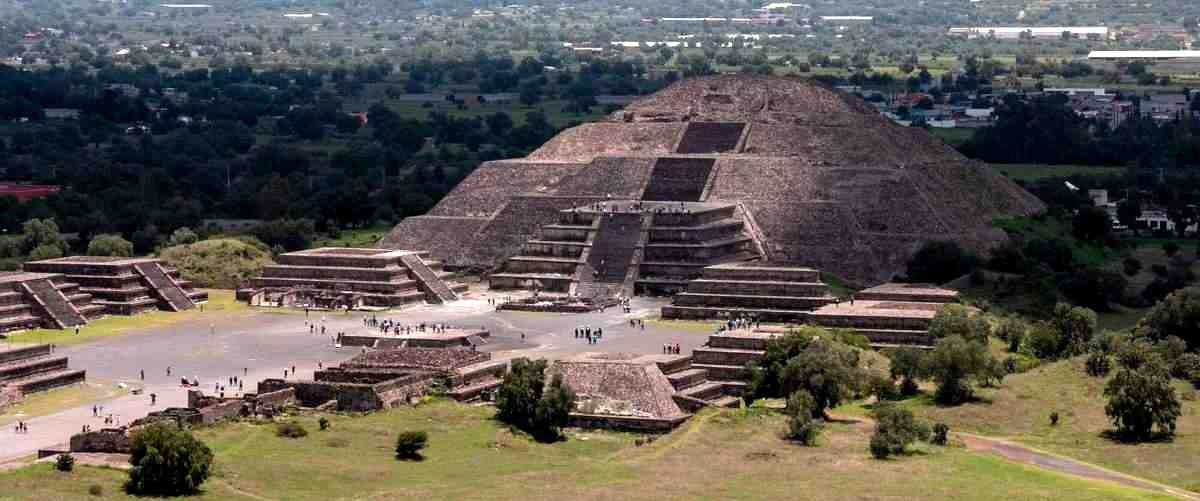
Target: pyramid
x=821 y=179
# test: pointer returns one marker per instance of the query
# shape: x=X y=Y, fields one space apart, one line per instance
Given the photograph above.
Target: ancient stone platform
x=815 y=176
x=451 y=337
x=120 y=285
x=617 y=248
x=26 y=369
x=31 y=300
x=338 y=277
x=769 y=292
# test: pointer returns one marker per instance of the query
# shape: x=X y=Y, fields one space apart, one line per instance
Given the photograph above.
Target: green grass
x=1034 y=172
x=1049 y=228
x=58 y=399
x=729 y=454
x=1019 y=410
x=359 y=237
x=953 y=137
x=220 y=302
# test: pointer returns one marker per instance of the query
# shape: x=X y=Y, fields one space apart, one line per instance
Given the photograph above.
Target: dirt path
x=1023 y=454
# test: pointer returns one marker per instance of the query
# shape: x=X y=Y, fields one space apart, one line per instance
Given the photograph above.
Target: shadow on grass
x=1117 y=437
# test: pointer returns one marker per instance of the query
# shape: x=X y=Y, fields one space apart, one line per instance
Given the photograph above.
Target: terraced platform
x=26 y=369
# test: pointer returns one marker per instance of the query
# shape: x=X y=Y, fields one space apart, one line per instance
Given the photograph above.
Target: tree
x=221 y=263
x=43 y=233
x=957 y=320
x=952 y=363
x=827 y=370
x=531 y=93
x=908 y=364
x=410 y=443
x=43 y=252
x=167 y=461
x=1141 y=399
x=183 y=236
x=895 y=430
x=524 y=401
x=1176 y=315
x=939 y=262
x=1075 y=327
x=802 y=427
x=109 y=245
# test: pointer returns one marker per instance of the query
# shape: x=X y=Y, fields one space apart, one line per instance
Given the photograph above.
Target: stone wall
x=108 y=440
x=625 y=423
x=24 y=352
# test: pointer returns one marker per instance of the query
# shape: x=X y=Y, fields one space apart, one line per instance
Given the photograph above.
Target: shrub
x=64 y=463
x=109 y=245
x=1176 y=315
x=1012 y=331
x=895 y=430
x=1054 y=418
x=95 y=490
x=882 y=387
x=323 y=423
x=940 y=262
x=952 y=363
x=1075 y=327
x=410 y=443
x=1170 y=248
x=907 y=364
x=524 y=400
x=167 y=461
x=802 y=427
x=941 y=434
x=1141 y=399
x=1131 y=266
x=827 y=370
x=1187 y=367
x=219 y=263
x=957 y=320
x=1098 y=364
x=1042 y=341
x=290 y=429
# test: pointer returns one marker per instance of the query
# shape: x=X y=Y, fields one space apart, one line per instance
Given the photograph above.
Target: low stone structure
x=765 y=291
x=123 y=286
x=51 y=300
x=622 y=247
x=388 y=378
x=32 y=368
x=888 y=315
x=448 y=338
x=653 y=393
x=341 y=277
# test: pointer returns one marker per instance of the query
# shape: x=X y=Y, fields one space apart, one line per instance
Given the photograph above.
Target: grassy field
x=953 y=137
x=50 y=402
x=1033 y=172
x=1020 y=411
x=727 y=455
x=218 y=301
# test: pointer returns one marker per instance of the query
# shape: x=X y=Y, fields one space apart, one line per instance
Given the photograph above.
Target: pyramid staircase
x=53 y=303
x=434 y=287
x=164 y=286
x=33 y=368
x=693 y=387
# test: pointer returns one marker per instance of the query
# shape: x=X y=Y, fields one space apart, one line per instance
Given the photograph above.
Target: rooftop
x=619 y=385
x=7 y=277
x=416 y=358
x=97 y=260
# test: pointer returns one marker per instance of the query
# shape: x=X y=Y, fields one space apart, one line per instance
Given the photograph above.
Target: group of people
x=110 y=419
x=397 y=328
x=587 y=332
x=637 y=322
x=670 y=349
x=739 y=323
x=21 y=427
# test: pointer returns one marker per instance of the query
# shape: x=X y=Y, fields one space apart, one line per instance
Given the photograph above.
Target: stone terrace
x=31 y=300
x=765 y=291
x=124 y=286
x=26 y=369
x=923 y=293
x=364 y=277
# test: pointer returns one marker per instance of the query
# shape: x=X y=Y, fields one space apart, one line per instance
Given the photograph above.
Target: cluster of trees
x=525 y=401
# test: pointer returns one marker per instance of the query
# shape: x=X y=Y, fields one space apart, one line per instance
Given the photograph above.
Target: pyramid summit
x=812 y=176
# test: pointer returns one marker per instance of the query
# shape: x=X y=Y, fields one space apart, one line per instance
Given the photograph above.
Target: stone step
x=683 y=380
x=759 y=287
x=705 y=391
x=725 y=356
x=751 y=301
x=719 y=372
x=31 y=366
x=473 y=390
x=709 y=312
x=164 y=286
x=897 y=337
x=48 y=380
x=727 y=401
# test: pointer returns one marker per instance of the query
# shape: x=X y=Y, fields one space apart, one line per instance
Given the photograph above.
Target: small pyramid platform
x=815 y=176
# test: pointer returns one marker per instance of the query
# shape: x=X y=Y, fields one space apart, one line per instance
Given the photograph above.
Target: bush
x=1075 y=327
x=1176 y=315
x=95 y=490
x=952 y=363
x=1141 y=399
x=183 y=236
x=882 y=388
x=941 y=434
x=1131 y=266
x=1012 y=331
x=957 y=320
x=1042 y=341
x=167 y=461
x=802 y=427
x=1054 y=418
x=940 y=262
x=323 y=423
x=1098 y=364
x=895 y=430
x=219 y=263
x=290 y=429
x=109 y=245
x=908 y=364
x=410 y=443
x=523 y=400
x=64 y=463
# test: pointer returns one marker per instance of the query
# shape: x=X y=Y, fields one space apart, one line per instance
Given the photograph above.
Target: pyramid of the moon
x=818 y=176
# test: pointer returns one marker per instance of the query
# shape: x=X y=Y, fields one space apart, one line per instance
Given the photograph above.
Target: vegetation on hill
x=221 y=263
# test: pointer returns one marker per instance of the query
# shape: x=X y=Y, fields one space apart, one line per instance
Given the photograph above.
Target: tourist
x=76 y=330
x=142 y=374
x=153 y=399
x=168 y=370
x=95 y=411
